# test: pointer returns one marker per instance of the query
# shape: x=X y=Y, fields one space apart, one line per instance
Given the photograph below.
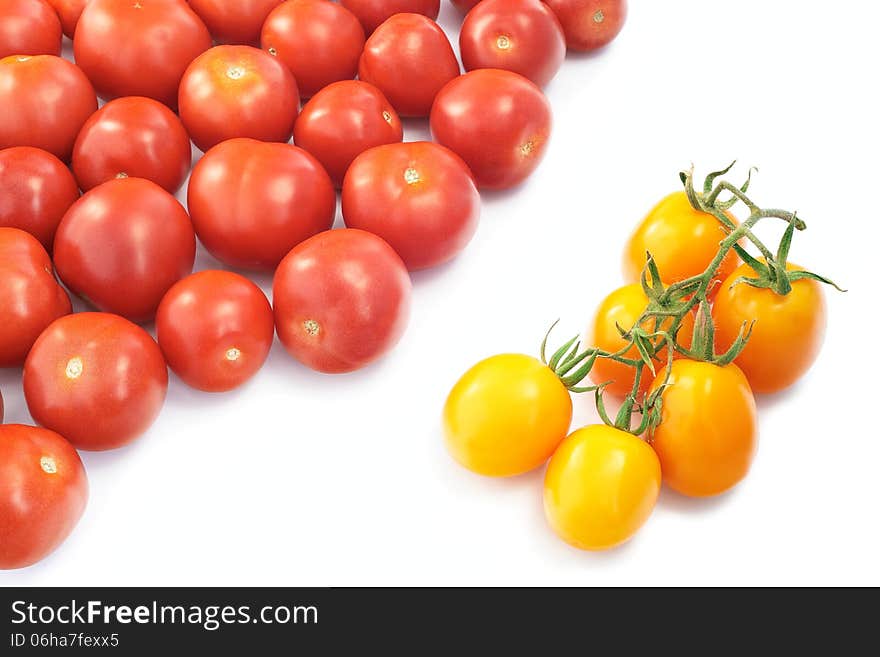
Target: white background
x=306 y=479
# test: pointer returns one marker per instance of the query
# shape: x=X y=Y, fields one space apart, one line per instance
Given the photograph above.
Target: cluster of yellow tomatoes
x=511 y=413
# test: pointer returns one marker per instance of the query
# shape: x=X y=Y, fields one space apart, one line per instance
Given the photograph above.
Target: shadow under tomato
x=669 y=499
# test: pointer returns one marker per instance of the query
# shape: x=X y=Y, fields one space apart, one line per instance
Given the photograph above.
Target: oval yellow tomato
x=506 y=415
x=600 y=487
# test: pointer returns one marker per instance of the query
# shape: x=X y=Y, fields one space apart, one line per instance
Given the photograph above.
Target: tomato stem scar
x=47 y=463
x=411 y=176
x=312 y=327
x=74 y=368
x=233 y=353
x=503 y=42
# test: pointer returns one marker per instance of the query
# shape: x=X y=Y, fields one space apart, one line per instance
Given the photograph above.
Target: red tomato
x=372 y=13
x=52 y=99
x=69 y=12
x=123 y=245
x=251 y=201
x=342 y=300
x=43 y=493
x=497 y=121
x=132 y=137
x=138 y=48
x=97 y=379
x=237 y=91
x=234 y=21
x=29 y=27
x=319 y=41
x=342 y=121
x=35 y=191
x=215 y=329
x=32 y=298
x=589 y=24
x=522 y=36
x=409 y=59
x=464 y=6
x=417 y=196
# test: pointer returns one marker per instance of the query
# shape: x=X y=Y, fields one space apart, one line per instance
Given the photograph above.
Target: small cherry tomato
x=252 y=201
x=372 y=13
x=409 y=59
x=787 y=334
x=601 y=486
x=319 y=41
x=138 y=48
x=69 y=12
x=215 y=329
x=506 y=415
x=497 y=121
x=237 y=91
x=683 y=242
x=342 y=121
x=52 y=99
x=708 y=432
x=32 y=298
x=417 y=196
x=523 y=36
x=589 y=24
x=43 y=493
x=234 y=21
x=342 y=300
x=97 y=379
x=622 y=308
x=29 y=27
x=36 y=189
x=123 y=245
x=133 y=137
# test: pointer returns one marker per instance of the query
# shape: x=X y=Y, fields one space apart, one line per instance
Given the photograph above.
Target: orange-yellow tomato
x=788 y=329
x=708 y=432
x=506 y=415
x=682 y=240
x=600 y=487
x=624 y=306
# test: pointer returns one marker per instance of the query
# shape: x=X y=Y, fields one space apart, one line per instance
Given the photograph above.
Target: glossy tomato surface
x=133 y=137
x=32 y=298
x=238 y=91
x=418 y=196
x=464 y=6
x=52 y=99
x=69 y=12
x=497 y=121
x=251 y=201
x=29 y=27
x=234 y=21
x=215 y=329
x=409 y=59
x=43 y=493
x=342 y=121
x=341 y=300
x=123 y=245
x=523 y=36
x=138 y=48
x=97 y=379
x=319 y=41
x=589 y=24
x=36 y=189
x=372 y=13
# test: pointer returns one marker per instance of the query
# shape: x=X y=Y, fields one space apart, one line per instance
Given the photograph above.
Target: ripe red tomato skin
x=69 y=12
x=235 y=22
x=237 y=91
x=372 y=13
x=580 y=19
x=43 y=493
x=319 y=41
x=114 y=393
x=464 y=6
x=509 y=125
x=342 y=121
x=36 y=189
x=535 y=42
x=29 y=27
x=138 y=48
x=122 y=245
x=237 y=211
x=409 y=59
x=52 y=97
x=31 y=297
x=427 y=221
x=135 y=136
x=341 y=300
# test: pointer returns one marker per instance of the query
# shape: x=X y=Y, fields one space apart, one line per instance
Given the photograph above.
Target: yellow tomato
x=506 y=415
x=601 y=486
